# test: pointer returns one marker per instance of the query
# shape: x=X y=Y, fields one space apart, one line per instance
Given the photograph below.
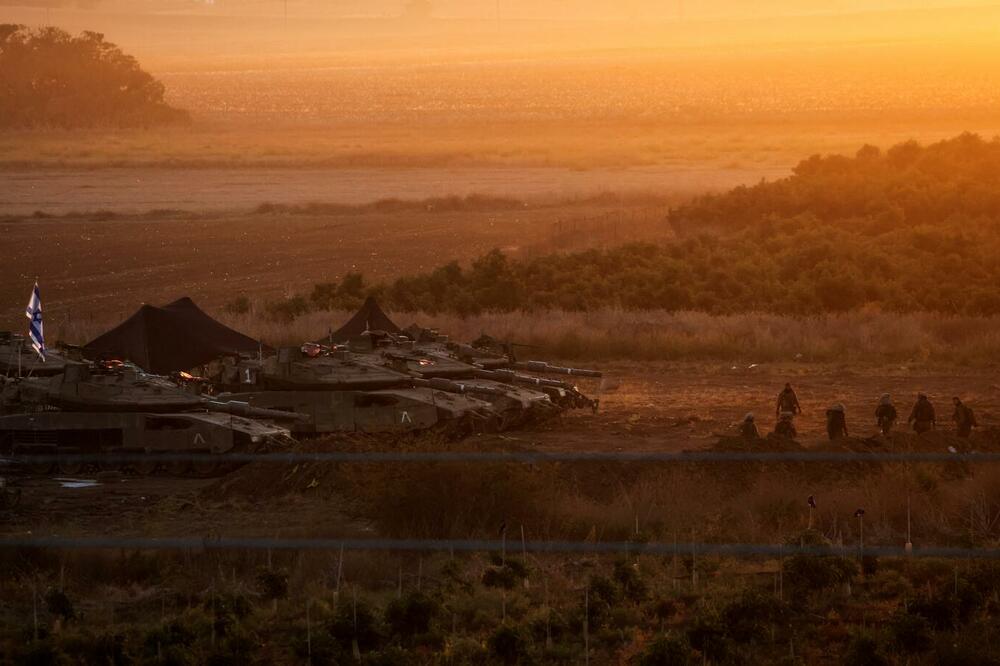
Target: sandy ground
x=657 y=407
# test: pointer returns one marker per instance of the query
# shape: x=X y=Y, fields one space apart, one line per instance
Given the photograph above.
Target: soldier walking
x=787 y=402
x=836 y=421
x=885 y=414
x=922 y=417
x=963 y=417
x=748 y=429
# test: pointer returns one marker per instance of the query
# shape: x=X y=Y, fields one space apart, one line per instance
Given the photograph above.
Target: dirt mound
x=935 y=441
x=745 y=473
x=769 y=444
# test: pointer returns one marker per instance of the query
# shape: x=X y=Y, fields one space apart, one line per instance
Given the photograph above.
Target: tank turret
x=17 y=358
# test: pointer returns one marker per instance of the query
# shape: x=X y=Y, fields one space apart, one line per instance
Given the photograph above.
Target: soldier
x=748 y=430
x=885 y=414
x=836 y=422
x=922 y=417
x=963 y=417
x=785 y=427
x=787 y=402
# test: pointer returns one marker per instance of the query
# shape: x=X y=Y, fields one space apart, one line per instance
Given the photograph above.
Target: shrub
x=238 y=647
x=961 y=651
x=467 y=650
x=411 y=615
x=356 y=623
x=229 y=608
x=941 y=612
x=238 y=306
x=348 y=294
x=664 y=609
x=317 y=648
x=172 y=638
x=863 y=650
x=504 y=573
x=628 y=576
x=286 y=310
x=104 y=648
x=806 y=572
x=508 y=644
x=603 y=596
x=707 y=635
x=501 y=577
x=911 y=633
x=748 y=617
x=665 y=650
x=59 y=604
x=272 y=585
x=392 y=655
x=41 y=653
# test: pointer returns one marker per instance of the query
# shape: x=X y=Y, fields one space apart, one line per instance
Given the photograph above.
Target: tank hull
x=382 y=411
x=141 y=436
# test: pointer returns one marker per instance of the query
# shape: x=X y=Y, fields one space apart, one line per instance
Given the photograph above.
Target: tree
x=49 y=78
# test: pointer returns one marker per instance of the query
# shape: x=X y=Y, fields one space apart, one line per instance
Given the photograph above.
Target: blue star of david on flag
x=34 y=313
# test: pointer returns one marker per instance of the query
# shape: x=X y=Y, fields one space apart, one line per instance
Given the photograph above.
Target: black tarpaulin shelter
x=370 y=317
x=177 y=336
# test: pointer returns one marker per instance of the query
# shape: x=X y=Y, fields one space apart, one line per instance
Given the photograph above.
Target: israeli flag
x=34 y=313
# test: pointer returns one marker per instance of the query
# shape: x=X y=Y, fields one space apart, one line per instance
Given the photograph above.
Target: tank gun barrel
x=244 y=409
x=543 y=367
x=562 y=390
x=449 y=386
x=511 y=377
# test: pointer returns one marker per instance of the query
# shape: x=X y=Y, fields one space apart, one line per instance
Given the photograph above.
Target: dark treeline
x=907 y=185
x=48 y=78
x=914 y=229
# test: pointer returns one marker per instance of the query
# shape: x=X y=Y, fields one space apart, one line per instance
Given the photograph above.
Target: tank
x=339 y=391
x=515 y=404
x=118 y=410
x=426 y=352
x=487 y=368
x=385 y=383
